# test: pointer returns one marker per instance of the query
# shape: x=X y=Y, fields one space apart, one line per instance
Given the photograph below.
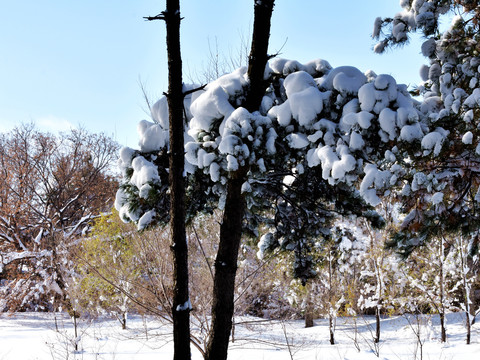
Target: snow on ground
x=31 y=336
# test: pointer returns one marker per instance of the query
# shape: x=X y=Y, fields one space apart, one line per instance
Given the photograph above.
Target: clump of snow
x=434 y=141
x=467 y=138
x=265 y=243
x=125 y=158
x=146 y=219
x=419 y=179
x=346 y=163
x=356 y=141
x=344 y=79
x=437 y=198
x=297 y=140
x=428 y=47
x=187 y=305
x=152 y=136
x=388 y=120
x=424 y=70
x=374 y=179
x=213 y=103
x=232 y=163
x=297 y=82
x=159 y=112
x=144 y=172
x=410 y=133
x=327 y=157
x=306 y=105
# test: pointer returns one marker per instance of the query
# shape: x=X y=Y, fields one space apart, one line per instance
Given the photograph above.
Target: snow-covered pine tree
x=441 y=192
x=341 y=125
x=305 y=148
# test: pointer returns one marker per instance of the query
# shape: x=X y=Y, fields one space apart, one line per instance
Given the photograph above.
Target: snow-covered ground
x=29 y=336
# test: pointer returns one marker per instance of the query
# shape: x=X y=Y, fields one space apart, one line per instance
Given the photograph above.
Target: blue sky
x=70 y=63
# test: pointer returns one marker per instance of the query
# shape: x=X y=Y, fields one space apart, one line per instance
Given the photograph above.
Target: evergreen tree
x=441 y=191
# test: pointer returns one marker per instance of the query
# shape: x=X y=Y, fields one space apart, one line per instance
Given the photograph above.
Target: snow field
x=31 y=336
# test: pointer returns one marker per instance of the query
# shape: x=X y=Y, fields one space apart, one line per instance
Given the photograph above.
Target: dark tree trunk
x=181 y=302
x=124 y=321
x=468 y=324
x=377 y=324
x=225 y=269
x=442 y=297
x=259 y=53
x=231 y=227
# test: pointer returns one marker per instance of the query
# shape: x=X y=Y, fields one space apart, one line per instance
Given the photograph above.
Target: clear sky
x=67 y=63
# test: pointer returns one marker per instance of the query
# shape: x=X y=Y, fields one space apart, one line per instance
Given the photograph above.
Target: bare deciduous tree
x=50 y=188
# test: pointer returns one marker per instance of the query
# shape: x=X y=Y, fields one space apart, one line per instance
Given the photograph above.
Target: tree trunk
x=330 y=299
x=75 y=329
x=259 y=54
x=225 y=269
x=181 y=303
x=309 y=307
x=377 y=324
x=442 y=295
x=468 y=323
x=442 y=326
x=231 y=227
x=124 y=320
x=330 y=327
x=467 y=263
x=309 y=316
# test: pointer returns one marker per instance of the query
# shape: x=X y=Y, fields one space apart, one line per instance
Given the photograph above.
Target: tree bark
x=330 y=298
x=309 y=306
x=377 y=324
x=225 y=269
x=467 y=263
x=330 y=329
x=259 y=53
x=181 y=303
x=231 y=227
x=442 y=295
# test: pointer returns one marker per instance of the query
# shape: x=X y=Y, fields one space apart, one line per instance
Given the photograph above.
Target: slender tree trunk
x=468 y=323
x=442 y=326
x=124 y=321
x=231 y=227
x=467 y=263
x=378 y=308
x=377 y=323
x=442 y=295
x=330 y=327
x=330 y=299
x=181 y=303
x=75 y=328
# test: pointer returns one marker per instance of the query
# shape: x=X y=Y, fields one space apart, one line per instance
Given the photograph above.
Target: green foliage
x=107 y=267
